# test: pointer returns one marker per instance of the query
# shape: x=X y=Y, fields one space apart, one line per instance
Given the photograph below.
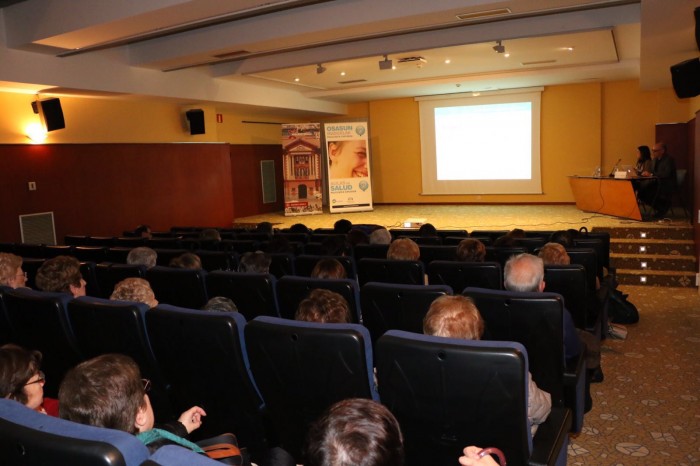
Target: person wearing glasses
x=61 y=274
x=22 y=380
x=658 y=194
x=108 y=391
x=11 y=273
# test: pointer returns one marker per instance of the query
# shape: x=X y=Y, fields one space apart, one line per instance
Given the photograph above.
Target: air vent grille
x=38 y=228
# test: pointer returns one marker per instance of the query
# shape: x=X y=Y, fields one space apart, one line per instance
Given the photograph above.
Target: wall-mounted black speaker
x=52 y=113
x=686 y=78
x=196 y=119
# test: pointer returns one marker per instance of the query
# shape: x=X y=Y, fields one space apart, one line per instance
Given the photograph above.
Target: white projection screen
x=488 y=144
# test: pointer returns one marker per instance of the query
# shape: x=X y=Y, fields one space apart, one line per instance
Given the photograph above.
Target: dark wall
x=103 y=189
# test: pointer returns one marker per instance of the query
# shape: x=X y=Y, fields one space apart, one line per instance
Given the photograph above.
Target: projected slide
x=481 y=145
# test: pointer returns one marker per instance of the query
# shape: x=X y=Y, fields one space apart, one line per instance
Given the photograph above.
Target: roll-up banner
x=301 y=156
x=348 y=157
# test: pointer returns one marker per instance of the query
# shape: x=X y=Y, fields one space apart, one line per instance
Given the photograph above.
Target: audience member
x=336 y=245
x=255 y=262
x=471 y=250
x=209 y=234
x=427 y=230
x=186 y=260
x=403 y=249
x=356 y=236
x=143 y=231
x=265 y=227
x=563 y=237
x=505 y=241
x=220 y=303
x=380 y=236
x=525 y=272
x=472 y=456
x=554 y=254
x=324 y=306
x=458 y=317
x=108 y=391
x=22 y=380
x=342 y=226
x=134 y=289
x=279 y=244
x=355 y=432
x=61 y=274
x=329 y=268
x=142 y=256
x=11 y=273
x=299 y=228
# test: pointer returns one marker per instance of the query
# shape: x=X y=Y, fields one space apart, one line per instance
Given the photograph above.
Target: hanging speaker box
x=686 y=78
x=196 y=119
x=51 y=112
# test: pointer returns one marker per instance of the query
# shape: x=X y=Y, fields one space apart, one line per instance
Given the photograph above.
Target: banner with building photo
x=348 y=166
x=301 y=159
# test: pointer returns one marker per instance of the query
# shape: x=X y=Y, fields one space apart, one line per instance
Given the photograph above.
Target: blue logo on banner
x=360 y=130
x=364 y=185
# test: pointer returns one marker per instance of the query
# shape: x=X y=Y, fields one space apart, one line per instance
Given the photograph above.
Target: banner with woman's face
x=348 y=166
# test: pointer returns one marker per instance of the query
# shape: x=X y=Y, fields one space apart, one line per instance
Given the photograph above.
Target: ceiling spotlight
x=499 y=48
x=386 y=64
x=320 y=69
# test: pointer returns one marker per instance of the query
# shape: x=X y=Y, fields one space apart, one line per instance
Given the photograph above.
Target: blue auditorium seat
x=293 y=290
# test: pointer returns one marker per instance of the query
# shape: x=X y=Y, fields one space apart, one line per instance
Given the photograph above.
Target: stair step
x=653 y=262
x=652 y=247
x=656 y=278
x=671 y=232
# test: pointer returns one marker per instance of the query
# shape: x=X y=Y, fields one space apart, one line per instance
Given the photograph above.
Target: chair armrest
x=549 y=445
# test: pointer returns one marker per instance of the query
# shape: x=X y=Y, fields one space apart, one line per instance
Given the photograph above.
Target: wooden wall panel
x=247 y=182
x=103 y=189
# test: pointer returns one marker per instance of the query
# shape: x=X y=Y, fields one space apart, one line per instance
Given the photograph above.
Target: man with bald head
x=658 y=194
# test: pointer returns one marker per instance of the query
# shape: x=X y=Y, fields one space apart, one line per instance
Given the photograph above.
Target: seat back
x=293 y=290
x=534 y=320
x=387 y=306
x=374 y=251
x=588 y=258
x=58 y=250
x=39 y=321
x=390 y=271
x=448 y=393
x=254 y=293
x=30 y=438
x=173 y=455
x=35 y=251
x=102 y=326
x=281 y=264
x=302 y=368
x=89 y=273
x=430 y=253
x=94 y=254
x=179 y=287
x=118 y=255
x=5 y=330
x=570 y=282
x=202 y=355
x=501 y=254
x=304 y=264
x=165 y=255
x=31 y=267
x=217 y=260
x=108 y=275
x=459 y=275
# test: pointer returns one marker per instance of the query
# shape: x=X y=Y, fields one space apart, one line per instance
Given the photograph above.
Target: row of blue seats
x=283 y=373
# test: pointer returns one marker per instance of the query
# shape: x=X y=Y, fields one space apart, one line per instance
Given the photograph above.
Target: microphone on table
x=612 y=173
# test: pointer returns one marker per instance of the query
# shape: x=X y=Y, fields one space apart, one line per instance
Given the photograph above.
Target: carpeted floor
x=646 y=412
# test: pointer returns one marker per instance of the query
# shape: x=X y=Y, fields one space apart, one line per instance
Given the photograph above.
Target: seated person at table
x=11 y=273
x=329 y=268
x=108 y=391
x=134 y=289
x=471 y=250
x=658 y=194
x=22 y=380
x=142 y=256
x=355 y=431
x=458 y=317
x=324 y=306
x=61 y=274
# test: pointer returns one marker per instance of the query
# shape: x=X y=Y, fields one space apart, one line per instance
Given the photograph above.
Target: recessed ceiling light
x=342 y=73
x=448 y=61
x=506 y=55
x=569 y=49
x=296 y=80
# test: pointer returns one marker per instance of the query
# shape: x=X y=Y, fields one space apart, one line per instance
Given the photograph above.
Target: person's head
x=517 y=233
x=20 y=377
x=454 y=317
x=61 y=274
x=505 y=241
x=427 y=229
x=255 y=262
x=134 y=289
x=220 y=303
x=336 y=245
x=264 y=227
x=279 y=244
x=355 y=432
x=471 y=250
x=659 y=150
x=11 y=273
x=329 y=268
x=356 y=237
x=404 y=249
x=299 y=228
x=144 y=231
x=106 y=391
x=380 y=236
x=554 y=254
x=562 y=237
x=142 y=256
x=348 y=159
x=644 y=153
x=342 y=226
x=187 y=260
x=209 y=234
x=324 y=306
x=524 y=272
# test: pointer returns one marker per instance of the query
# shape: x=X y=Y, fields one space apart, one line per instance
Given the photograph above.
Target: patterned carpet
x=646 y=412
